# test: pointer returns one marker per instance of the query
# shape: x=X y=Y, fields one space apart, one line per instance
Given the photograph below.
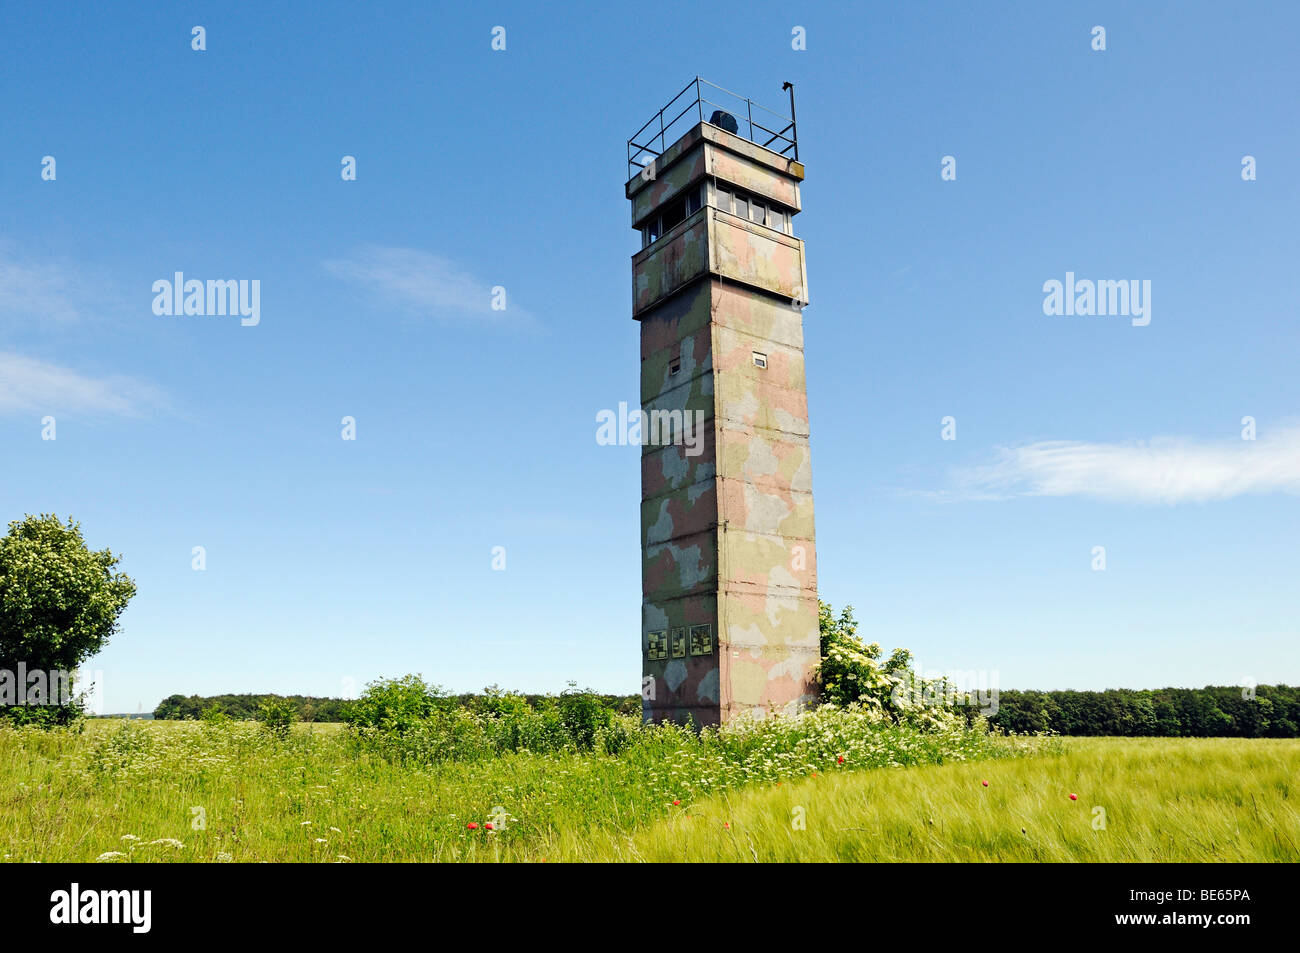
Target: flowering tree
x=59 y=603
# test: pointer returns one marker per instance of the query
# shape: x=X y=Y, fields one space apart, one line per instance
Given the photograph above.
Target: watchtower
x=729 y=582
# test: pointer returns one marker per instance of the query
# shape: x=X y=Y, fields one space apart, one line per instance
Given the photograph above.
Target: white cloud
x=40 y=290
x=424 y=283
x=31 y=386
x=1167 y=470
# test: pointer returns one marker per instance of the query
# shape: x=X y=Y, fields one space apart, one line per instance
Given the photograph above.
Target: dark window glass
x=674 y=213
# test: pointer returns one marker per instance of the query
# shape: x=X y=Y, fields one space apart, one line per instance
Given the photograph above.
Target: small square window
x=760 y=360
x=675 y=366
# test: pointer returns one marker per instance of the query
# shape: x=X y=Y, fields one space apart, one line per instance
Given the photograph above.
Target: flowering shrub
x=851 y=673
x=746 y=750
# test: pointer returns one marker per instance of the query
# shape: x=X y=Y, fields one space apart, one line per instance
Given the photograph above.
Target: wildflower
x=1074 y=797
x=321 y=840
x=677 y=803
x=169 y=842
x=840 y=759
x=224 y=858
x=128 y=837
x=471 y=826
x=985 y=783
x=109 y=857
x=487 y=826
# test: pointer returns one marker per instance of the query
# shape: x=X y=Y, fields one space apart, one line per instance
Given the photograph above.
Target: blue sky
x=332 y=562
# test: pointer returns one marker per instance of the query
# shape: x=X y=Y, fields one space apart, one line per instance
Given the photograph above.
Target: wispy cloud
x=1167 y=470
x=425 y=284
x=39 y=289
x=31 y=386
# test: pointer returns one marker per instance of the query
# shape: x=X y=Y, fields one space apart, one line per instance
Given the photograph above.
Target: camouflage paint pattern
x=662 y=188
x=716 y=242
x=728 y=534
x=753 y=177
x=678 y=258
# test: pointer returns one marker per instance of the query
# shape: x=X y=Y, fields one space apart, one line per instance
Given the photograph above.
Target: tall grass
x=133 y=791
x=1200 y=800
x=233 y=791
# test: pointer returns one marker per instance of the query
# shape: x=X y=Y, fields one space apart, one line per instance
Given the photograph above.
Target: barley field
x=1136 y=800
x=123 y=792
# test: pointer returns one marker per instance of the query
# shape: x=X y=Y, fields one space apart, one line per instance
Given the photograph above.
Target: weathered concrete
x=729 y=580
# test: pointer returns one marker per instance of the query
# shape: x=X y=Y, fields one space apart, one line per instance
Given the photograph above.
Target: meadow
x=838 y=789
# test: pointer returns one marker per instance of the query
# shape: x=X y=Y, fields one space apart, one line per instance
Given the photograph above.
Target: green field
x=169 y=791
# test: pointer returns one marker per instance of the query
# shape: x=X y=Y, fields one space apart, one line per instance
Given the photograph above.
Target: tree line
x=1267 y=711
x=313 y=708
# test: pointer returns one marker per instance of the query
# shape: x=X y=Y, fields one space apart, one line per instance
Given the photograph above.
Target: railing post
x=794 y=129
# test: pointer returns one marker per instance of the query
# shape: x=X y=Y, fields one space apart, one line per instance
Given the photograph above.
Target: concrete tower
x=729 y=582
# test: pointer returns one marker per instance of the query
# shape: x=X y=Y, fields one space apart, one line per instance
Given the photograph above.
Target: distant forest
x=1212 y=712
x=311 y=708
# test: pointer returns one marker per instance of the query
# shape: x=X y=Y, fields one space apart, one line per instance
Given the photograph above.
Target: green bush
x=59 y=604
x=277 y=716
x=850 y=673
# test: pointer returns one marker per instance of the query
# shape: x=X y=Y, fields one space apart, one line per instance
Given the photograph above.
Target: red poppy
x=1074 y=797
x=840 y=759
x=727 y=825
x=985 y=783
x=472 y=826
x=676 y=803
x=487 y=826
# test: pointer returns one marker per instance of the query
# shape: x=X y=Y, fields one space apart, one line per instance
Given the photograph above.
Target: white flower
x=109 y=857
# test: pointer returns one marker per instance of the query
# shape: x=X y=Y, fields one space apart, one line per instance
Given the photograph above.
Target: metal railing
x=687 y=108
